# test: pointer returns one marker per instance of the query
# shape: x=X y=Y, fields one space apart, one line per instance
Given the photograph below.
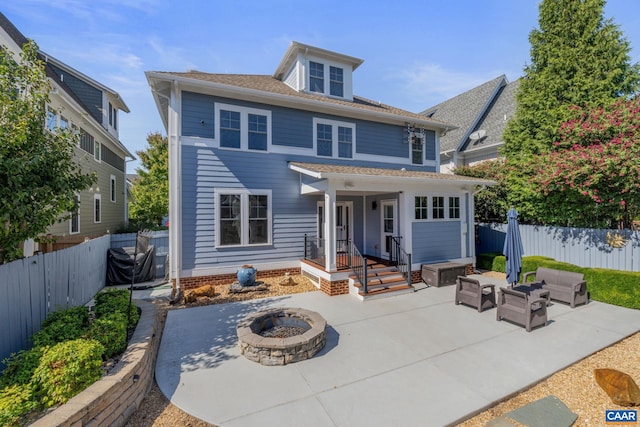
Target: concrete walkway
x=410 y=360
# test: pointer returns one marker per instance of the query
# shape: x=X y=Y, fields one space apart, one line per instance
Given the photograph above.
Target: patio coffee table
x=535 y=290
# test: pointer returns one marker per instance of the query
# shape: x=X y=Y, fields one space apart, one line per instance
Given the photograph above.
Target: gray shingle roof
x=466 y=111
x=270 y=84
x=384 y=172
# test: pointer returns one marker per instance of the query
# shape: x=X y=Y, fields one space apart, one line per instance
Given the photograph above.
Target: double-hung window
x=316 y=77
x=333 y=138
x=244 y=217
x=243 y=128
x=230 y=129
x=336 y=81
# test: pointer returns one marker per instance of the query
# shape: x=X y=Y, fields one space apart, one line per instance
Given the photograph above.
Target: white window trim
x=347 y=89
x=430 y=197
x=99 y=198
x=244 y=126
x=334 y=137
x=78 y=216
x=113 y=188
x=244 y=215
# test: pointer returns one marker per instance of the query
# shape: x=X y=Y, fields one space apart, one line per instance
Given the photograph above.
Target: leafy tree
x=491 y=202
x=151 y=190
x=38 y=174
x=577 y=58
x=592 y=175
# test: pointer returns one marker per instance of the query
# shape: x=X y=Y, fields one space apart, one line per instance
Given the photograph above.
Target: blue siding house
x=292 y=172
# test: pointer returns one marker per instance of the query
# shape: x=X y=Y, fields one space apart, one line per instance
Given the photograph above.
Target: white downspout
x=175 y=199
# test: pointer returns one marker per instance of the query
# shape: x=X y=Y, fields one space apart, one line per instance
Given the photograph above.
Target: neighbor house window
x=454 y=207
x=422 y=207
x=51 y=119
x=334 y=139
x=438 y=207
x=64 y=122
x=112 y=188
x=97 y=208
x=96 y=151
x=336 y=81
x=316 y=77
x=244 y=217
x=87 y=143
x=74 y=220
x=243 y=128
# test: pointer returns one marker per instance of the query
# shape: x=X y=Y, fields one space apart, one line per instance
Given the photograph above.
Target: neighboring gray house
x=480 y=115
x=292 y=172
x=91 y=108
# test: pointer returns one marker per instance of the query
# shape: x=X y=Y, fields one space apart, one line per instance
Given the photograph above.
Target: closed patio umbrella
x=513 y=247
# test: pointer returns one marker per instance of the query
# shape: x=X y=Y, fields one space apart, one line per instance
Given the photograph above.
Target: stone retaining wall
x=111 y=400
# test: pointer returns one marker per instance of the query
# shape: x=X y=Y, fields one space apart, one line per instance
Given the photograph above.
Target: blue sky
x=417 y=53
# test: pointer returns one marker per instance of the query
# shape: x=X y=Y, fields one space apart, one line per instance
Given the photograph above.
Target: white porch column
x=330 y=228
x=175 y=185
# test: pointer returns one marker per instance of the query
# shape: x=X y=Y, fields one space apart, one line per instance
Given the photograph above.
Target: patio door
x=343 y=225
x=389 y=222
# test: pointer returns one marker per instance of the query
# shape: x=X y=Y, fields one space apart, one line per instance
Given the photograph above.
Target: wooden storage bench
x=443 y=273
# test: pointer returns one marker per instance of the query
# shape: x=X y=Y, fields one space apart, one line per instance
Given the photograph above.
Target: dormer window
x=336 y=77
x=316 y=77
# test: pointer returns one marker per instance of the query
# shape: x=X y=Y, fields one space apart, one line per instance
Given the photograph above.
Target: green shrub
x=615 y=287
x=20 y=366
x=111 y=331
x=62 y=326
x=15 y=402
x=116 y=300
x=66 y=369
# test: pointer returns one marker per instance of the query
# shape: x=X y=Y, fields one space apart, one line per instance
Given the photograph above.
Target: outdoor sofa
x=564 y=286
x=518 y=307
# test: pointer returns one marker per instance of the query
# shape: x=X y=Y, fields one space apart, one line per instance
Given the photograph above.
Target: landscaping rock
x=192 y=295
x=619 y=386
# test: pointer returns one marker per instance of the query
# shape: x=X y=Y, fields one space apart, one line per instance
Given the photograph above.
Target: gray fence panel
x=32 y=287
x=579 y=246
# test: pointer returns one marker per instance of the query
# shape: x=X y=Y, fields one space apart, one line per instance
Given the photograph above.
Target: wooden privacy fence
x=33 y=287
x=584 y=247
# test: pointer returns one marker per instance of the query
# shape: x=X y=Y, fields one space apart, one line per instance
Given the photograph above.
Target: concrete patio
x=411 y=360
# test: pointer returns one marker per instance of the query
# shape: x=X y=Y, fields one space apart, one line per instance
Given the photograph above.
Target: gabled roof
x=297 y=48
x=479 y=109
x=270 y=90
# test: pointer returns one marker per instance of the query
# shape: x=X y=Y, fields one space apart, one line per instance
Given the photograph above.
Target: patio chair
x=471 y=292
x=520 y=308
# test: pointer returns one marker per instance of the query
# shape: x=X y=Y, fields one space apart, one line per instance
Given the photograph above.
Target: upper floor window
x=417 y=153
x=333 y=138
x=243 y=128
x=316 y=77
x=113 y=116
x=74 y=220
x=64 y=122
x=336 y=81
x=51 y=119
x=229 y=129
x=87 y=143
x=96 y=151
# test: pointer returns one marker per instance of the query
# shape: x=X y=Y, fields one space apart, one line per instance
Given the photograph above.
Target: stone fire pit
x=281 y=335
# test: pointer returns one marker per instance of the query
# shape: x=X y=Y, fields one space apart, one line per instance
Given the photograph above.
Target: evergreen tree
x=577 y=59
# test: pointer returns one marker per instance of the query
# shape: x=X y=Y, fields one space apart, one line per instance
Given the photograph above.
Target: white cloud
x=431 y=84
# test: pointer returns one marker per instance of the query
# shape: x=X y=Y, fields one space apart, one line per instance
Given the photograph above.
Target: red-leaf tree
x=592 y=175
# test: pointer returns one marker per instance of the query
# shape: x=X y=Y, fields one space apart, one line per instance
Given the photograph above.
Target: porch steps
x=382 y=281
